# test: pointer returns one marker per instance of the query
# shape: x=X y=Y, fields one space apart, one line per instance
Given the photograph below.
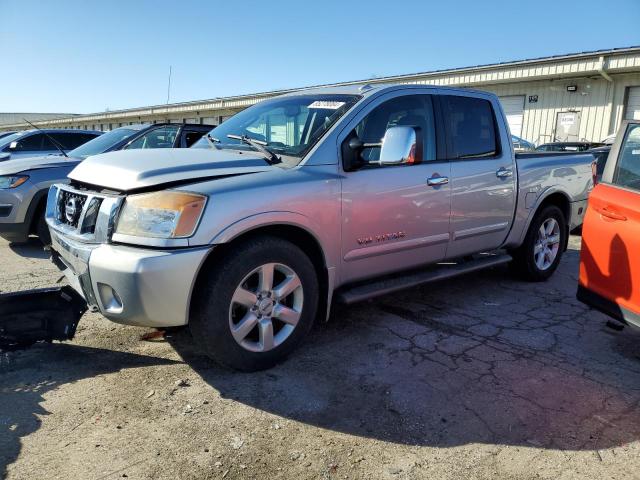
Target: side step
x=441 y=271
x=39 y=315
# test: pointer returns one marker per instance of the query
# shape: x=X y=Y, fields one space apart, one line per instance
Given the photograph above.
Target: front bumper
x=131 y=285
x=14 y=227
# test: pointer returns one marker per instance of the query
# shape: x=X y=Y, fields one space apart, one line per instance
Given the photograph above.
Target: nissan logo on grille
x=71 y=210
x=70 y=207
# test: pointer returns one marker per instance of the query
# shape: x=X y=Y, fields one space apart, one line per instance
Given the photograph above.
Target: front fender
x=329 y=246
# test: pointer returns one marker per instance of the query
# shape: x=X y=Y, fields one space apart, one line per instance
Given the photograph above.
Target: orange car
x=609 y=269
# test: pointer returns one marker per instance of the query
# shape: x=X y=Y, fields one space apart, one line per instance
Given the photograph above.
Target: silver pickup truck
x=326 y=195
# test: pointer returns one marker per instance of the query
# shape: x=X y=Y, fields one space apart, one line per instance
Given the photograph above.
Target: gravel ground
x=477 y=378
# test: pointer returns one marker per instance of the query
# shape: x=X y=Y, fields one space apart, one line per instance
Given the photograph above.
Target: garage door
x=513 y=107
x=633 y=104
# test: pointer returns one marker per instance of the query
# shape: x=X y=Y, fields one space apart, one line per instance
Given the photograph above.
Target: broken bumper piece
x=39 y=315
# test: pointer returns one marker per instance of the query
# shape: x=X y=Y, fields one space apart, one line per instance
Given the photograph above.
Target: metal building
x=565 y=97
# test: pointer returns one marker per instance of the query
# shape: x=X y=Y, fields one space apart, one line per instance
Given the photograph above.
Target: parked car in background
x=609 y=260
x=42 y=142
x=24 y=182
x=567 y=146
x=600 y=154
x=609 y=140
x=4 y=134
x=522 y=145
x=327 y=194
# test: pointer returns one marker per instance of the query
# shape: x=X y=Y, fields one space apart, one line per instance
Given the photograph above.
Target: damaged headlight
x=12 y=181
x=168 y=214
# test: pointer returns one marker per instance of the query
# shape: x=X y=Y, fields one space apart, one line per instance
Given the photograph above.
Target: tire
x=42 y=230
x=526 y=259
x=217 y=310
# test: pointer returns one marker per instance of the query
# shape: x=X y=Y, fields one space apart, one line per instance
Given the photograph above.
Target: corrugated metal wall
x=600 y=102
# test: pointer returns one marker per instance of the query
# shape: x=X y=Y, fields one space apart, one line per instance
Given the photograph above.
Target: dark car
x=567 y=146
x=600 y=154
x=29 y=143
x=24 y=182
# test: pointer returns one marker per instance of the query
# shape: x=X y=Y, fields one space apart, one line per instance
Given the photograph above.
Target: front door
x=483 y=175
x=394 y=217
x=609 y=267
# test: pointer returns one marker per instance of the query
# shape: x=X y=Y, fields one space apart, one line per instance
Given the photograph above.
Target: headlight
x=12 y=181
x=161 y=215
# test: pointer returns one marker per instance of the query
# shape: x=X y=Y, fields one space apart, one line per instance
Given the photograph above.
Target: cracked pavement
x=478 y=377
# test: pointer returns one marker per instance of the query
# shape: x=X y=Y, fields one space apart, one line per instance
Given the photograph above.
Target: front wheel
x=539 y=256
x=256 y=305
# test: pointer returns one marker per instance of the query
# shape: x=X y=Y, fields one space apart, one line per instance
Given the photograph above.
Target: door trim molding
x=483 y=230
x=383 y=249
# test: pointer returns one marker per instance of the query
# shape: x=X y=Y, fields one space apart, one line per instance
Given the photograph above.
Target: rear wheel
x=540 y=254
x=257 y=305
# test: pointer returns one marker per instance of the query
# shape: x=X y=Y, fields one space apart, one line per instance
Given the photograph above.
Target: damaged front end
x=39 y=315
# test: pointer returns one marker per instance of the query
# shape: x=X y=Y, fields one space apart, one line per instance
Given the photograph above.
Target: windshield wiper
x=259 y=145
x=211 y=140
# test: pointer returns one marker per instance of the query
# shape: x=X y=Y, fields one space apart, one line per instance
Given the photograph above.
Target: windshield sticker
x=326 y=104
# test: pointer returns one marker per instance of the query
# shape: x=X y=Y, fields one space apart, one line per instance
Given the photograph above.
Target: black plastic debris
x=39 y=315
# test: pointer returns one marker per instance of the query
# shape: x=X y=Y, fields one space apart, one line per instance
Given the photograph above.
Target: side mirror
x=401 y=145
x=13 y=145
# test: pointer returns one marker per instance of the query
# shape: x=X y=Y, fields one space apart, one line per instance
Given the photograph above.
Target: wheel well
x=561 y=201
x=296 y=235
x=40 y=206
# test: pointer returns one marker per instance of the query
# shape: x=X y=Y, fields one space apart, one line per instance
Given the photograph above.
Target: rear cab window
x=471 y=126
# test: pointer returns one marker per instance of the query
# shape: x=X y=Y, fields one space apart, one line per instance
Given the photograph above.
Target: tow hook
x=40 y=315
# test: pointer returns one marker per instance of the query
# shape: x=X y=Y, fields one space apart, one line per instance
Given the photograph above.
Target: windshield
x=10 y=138
x=102 y=143
x=290 y=126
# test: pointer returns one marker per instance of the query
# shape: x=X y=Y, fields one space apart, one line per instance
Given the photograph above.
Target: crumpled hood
x=126 y=170
x=10 y=167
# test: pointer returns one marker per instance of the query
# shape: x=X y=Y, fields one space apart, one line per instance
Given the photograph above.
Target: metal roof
x=237 y=101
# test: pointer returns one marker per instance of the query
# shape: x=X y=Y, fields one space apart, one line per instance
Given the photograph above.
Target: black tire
x=42 y=230
x=210 y=315
x=524 y=264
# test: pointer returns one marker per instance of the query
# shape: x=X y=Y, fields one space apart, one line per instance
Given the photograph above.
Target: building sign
x=533 y=98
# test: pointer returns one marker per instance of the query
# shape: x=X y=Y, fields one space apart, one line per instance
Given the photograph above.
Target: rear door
x=483 y=176
x=609 y=267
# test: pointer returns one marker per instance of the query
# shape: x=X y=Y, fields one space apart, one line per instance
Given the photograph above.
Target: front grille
x=82 y=215
x=70 y=207
x=91 y=216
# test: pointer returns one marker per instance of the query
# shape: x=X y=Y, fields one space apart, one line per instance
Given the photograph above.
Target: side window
x=68 y=141
x=163 y=137
x=191 y=137
x=32 y=143
x=470 y=127
x=627 y=172
x=409 y=110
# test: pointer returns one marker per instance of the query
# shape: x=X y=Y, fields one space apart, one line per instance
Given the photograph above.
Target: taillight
x=594 y=172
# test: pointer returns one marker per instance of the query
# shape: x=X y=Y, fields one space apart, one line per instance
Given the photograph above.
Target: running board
x=39 y=315
x=390 y=284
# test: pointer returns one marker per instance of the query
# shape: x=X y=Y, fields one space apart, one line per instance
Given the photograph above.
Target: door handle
x=503 y=172
x=437 y=181
x=605 y=212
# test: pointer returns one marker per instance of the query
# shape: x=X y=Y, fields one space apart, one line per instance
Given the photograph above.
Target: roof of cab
x=366 y=90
